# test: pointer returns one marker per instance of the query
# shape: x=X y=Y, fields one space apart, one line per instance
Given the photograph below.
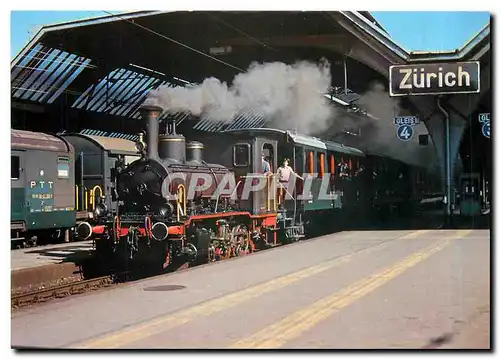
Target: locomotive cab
x=254 y=190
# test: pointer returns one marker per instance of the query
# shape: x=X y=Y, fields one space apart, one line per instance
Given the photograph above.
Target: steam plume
x=291 y=96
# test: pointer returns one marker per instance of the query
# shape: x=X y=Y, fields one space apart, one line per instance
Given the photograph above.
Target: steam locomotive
x=189 y=202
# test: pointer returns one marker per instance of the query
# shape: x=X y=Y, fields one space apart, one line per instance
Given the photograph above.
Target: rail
x=294 y=202
x=271 y=200
x=181 y=201
x=42 y=295
x=85 y=198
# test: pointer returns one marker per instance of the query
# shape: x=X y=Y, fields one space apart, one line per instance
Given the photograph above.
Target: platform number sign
x=484 y=118
x=404 y=127
x=405 y=132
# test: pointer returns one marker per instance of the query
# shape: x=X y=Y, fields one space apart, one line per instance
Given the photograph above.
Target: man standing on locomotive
x=284 y=173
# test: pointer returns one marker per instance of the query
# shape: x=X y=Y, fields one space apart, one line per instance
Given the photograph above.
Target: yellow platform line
x=169 y=321
x=292 y=326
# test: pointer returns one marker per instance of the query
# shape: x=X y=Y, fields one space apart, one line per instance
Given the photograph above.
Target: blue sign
x=486 y=129
x=406 y=120
x=484 y=117
x=405 y=132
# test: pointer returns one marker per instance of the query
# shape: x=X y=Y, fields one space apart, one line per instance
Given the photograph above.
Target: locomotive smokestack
x=151 y=114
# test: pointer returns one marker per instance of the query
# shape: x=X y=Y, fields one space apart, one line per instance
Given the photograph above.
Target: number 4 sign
x=405 y=132
x=404 y=127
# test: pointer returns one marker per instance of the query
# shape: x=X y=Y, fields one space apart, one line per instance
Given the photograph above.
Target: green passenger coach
x=42 y=186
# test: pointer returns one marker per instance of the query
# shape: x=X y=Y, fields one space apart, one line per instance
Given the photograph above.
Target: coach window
x=241 y=155
x=63 y=167
x=14 y=167
x=268 y=152
x=310 y=162
x=321 y=164
x=331 y=165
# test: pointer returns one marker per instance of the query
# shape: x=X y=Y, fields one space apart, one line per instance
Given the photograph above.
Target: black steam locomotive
x=171 y=209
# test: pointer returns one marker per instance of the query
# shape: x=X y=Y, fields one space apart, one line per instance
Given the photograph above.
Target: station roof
x=109 y=64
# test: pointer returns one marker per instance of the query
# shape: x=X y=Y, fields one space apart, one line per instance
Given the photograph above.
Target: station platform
x=30 y=266
x=49 y=254
x=418 y=289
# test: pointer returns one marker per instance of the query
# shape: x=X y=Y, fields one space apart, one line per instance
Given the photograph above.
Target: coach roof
x=28 y=140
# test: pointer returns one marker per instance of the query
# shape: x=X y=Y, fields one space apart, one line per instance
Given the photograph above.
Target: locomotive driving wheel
x=239 y=241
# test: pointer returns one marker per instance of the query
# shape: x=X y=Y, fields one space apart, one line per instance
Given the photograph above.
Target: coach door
x=18 y=185
x=265 y=200
x=242 y=164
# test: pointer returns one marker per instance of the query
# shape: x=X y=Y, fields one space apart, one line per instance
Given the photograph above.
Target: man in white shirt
x=284 y=173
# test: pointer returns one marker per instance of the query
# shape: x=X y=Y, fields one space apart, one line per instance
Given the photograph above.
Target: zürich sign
x=433 y=79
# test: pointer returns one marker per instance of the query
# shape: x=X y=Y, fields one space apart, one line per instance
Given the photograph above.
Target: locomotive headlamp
x=166 y=210
x=159 y=231
x=83 y=230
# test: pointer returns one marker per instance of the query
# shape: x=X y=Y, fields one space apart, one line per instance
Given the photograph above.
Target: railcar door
x=41 y=181
x=242 y=164
x=18 y=185
x=287 y=201
x=264 y=200
x=470 y=203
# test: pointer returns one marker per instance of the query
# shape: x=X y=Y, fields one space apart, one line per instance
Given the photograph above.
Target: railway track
x=25 y=299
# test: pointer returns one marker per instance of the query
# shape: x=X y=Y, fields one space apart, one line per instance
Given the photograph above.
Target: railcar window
x=321 y=164
x=63 y=167
x=14 y=167
x=331 y=165
x=268 y=152
x=241 y=155
x=310 y=162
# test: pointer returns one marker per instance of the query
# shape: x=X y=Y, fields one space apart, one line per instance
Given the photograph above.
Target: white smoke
x=378 y=136
x=290 y=95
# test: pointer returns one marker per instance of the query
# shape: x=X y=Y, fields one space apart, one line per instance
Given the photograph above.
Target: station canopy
x=108 y=65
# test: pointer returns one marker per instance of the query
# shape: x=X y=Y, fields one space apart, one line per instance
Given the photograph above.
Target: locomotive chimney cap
x=194 y=144
x=150 y=108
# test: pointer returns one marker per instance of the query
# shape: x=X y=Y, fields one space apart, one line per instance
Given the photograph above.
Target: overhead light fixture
x=220 y=50
x=334 y=99
x=181 y=80
x=146 y=69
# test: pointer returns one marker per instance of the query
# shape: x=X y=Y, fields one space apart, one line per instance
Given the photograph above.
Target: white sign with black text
x=433 y=79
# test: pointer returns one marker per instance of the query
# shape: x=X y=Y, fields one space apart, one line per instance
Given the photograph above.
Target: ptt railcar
x=160 y=222
x=59 y=182
x=42 y=183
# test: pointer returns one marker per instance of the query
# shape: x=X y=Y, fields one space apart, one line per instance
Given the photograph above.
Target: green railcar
x=42 y=186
